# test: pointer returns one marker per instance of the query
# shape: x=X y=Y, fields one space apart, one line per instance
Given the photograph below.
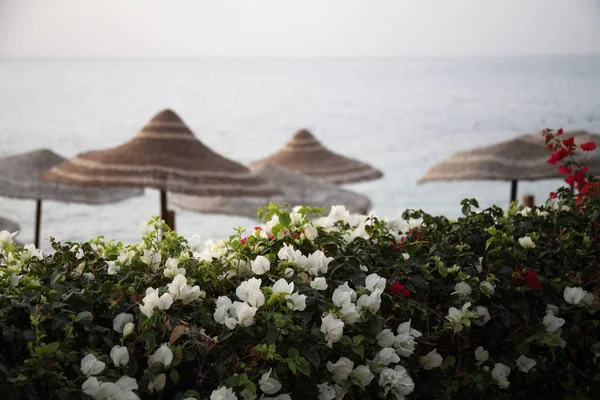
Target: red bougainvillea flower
x=589 y=146
x=517 y=277
x=398 y=288
x=565 y=170
x=552 y=195
x=559 y=132
x=531 y=279
x=243 y=241
x=569 y=141
x=257 y=228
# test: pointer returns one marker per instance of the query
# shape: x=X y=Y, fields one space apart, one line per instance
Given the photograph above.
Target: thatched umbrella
x=20 y=177
x=520 y=159
x=297 y=189
x=167 y=156
x=8 y=225
x=305 y=154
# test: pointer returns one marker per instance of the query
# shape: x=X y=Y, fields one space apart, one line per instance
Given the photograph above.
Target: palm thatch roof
x=20 y=177
x=297 y=189
x=165 y=155
x=305 y=154
x=520 y=159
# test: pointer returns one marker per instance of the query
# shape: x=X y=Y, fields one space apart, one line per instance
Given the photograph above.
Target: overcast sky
x=300 y=28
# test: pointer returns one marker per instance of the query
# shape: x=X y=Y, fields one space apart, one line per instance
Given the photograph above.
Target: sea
x=400 y=115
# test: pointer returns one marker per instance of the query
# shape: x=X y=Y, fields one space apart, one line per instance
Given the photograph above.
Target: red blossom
x=568 y=142
x=565 y=170
x=243 y=241
x=589 y=146
x=257 y=228
x=398 y=288
x=517 y=278
x=531 y=279
x=559 y=132
x=295 y=235
x=552 y=195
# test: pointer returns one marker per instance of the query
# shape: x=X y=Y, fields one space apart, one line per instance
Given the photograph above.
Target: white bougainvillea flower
x=127 y=383
x=90 y=386
x=249 y=291
x=119 y=355
x=310 y=232
x=195 y=243
x=479 y=265
x=349 y=313
x=152 y=259
x=223 y=393
x=373 y=282
x=346 y=288
x=317 y=263
x=483 y=313
x=339 y=213
x=222 y=311
x=163 y=355
x=296 y=302
x=7 y=238
x=552 y=309
x=463 y=289
x=282 y=286
x=172 y=268
x=158 y=383
x=500 y=374
x=341 y=298
x=269 y=385
x=288 y=273
x=386 y=356
x=406 y=256
x=190 y=294
x=175 y=287
x=362 y=375
x=121 y=320
x=431 y=360
x=385 y=338
x=574 y=295
x=481 y=355
x=332 y=328
x=524 y=364
x=486 y=288
x=404 y=342
x=319 y=283
x=588 y=299
x=108 y=390
x=113 y=268
x=372 y=301
x=90 y=365
x=260 y=265
x=552 y=323
x=396 y=381
x=341 y=369
x=456 y=316
x=287 y=253
x=526 y=242
x=244 y=313
x=125 y=257
x=326 y=391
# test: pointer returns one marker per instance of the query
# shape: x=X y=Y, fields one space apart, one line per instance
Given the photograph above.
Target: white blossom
x=372 y=301
x=526 y=242
x=456 y=316
x=332 y=328
x=152 y=259
x=297 y=302
x=463 y=289
x=362 y=374
x=500 y=374
x=244 y=313
x=128 y=328
x=319 y=283
x=481 y=355
x=282 y=286
x=90 y=365
x=552 y=323
x=524 y=364
x=288 y=273
x=431 y=360
x=386 y=356
x=326 y=391
x=162 y=355
x=574 y=295
x=341 y=369
x=482 y=312
x=486 y=288
x=260 y=265
x=113 y=268
x=373 y=282
x=249 y=291
x=396 y=381
x=404 y=343
x=310 y=232
x=172 y=268
x=318 y=263
x=195 y=243
x=223 y=393
x=385 y=338
x=269 y=385
x=121 y=320
x=119 y=355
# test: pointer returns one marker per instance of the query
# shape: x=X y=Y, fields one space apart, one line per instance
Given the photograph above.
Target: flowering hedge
x=493 y=305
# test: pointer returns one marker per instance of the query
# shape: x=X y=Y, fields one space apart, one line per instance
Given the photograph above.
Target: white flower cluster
x=578 y=296
x=315 y=264
x=178 y=290
x=119 y=390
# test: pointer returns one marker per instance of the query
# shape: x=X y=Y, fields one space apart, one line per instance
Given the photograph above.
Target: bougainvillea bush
x=495 y=305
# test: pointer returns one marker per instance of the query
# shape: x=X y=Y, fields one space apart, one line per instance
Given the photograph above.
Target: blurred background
x=398 y=84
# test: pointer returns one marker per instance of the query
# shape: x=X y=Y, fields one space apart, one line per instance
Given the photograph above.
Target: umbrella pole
x=38 y=217
x=163 y=206
x=513 y=191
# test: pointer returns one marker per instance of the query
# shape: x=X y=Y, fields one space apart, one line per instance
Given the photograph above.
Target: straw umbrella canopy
x=297 y=189
x=8 y=225
x=167 y=156
x=20 y=177
x=305 y=154
x=520 y=159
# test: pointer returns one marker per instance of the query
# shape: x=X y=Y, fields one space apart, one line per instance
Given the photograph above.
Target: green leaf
x=359 y=350
x=51 y=348
x=284 y=219
x=293 y=353
x=174 y=375
x=443 y=271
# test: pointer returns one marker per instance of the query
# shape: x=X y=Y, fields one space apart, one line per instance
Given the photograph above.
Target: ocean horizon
x=401 y=115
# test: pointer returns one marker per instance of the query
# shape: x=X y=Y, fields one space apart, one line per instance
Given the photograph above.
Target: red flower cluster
x=576 y=178
x=529 y=278
x=398 y=288
x=243 y=241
